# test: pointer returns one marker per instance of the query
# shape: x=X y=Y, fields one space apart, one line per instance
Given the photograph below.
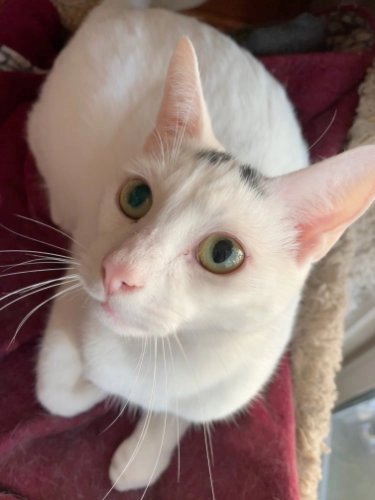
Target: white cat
x=192 y=239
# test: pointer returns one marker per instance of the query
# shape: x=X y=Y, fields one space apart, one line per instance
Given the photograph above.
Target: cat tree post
x=316 y=351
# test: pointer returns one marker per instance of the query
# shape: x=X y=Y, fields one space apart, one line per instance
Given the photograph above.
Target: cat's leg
x=61 y=387
x=141 y=459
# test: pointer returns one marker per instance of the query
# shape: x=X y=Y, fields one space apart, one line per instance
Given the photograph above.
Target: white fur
x=187 y=345
x=105 y=87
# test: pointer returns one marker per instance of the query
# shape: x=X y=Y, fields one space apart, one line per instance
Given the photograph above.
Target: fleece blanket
x=44 y=457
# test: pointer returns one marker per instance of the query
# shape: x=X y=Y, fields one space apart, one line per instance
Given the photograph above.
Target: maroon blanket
x=43 y=457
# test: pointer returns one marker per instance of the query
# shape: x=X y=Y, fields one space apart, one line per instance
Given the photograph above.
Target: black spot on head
x=252 y=177
x=214 y=157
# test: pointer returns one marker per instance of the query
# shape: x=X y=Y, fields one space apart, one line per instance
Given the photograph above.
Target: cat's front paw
x=67 y=401
x=138 y=465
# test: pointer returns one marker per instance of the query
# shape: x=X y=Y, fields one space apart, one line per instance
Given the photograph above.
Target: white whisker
x=207 y=439
x=138 y=370
x=205 y=430
x=161 y=145
x=36 y=287
x=177 y=415
x=158 y=456
x=324 y=131
x=49 y=226
x=118 y=416
x=164 y=422
x=208 y=428
x=35 y=262
x=187 y=361
x=30 y=313
x=144 y=427
x=34 y=239
x=64 y=258
x=47 y=269
x=165 y=366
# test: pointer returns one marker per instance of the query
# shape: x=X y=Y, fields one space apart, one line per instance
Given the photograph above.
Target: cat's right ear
x=324 y=199
x=183 y=113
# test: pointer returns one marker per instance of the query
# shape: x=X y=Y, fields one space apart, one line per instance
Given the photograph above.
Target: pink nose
x=118 y=278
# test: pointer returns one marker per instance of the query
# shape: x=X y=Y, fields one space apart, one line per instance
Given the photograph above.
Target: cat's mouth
x=116 y=321
x=108 y=309
x=110 y=314
x=130 y=321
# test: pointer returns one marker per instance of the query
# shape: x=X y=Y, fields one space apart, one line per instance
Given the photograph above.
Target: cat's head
x=189 y=239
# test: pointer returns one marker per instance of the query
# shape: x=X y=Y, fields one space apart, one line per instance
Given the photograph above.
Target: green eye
x=135 y=199
x=220 y=254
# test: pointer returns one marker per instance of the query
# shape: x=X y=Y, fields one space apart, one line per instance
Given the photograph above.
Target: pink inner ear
x=183 y=110
x=324 y=199
x=314 y=241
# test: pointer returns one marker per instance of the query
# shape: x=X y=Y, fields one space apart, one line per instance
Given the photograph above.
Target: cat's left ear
x=324 y=199
x=183 y=112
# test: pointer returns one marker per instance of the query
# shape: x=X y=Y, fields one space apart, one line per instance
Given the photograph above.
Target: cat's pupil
x=138 y=195
x=222 y=250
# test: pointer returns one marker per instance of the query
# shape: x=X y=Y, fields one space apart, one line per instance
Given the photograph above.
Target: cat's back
x=107 y=84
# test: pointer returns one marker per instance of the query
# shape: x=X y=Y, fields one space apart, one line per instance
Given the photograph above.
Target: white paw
x=66 y=401
x=135 y=467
